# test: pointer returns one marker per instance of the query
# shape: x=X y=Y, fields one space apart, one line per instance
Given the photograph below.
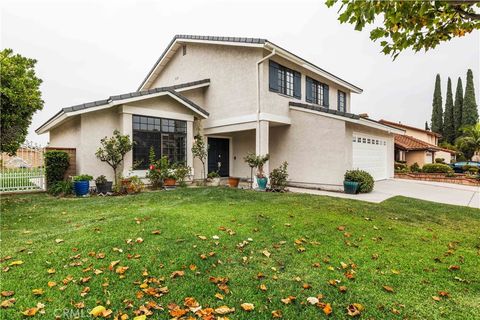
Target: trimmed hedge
x=436 y=168
x=364 y=179
x=56 y=164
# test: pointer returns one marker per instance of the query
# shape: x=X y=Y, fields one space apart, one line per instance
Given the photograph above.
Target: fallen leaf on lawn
x=344 y=265
x=51 y=284
x=192 y=267
x=176 y=274
x=30 y=312
x=8 y=293
x=444 y=294
x=452 y=268
x=342 y=289
x=7 y=303
x=59 y=240
x=375 y=256
x=333 y=282
x=219 y=296
x=156 y=232
x=16 y=263
x=79 y=305
x=266 y=253
x=288 y=299
x=263 y=287
x=395 y=271
x=247 y=306
x=85 y=291
x=277 y=314
x=142 y=317
x=100 y=255
x=139 y=240
x=37 y=292
x=202 y=237
x=341 y=228
x=113 y=264
x=327 y=309
x=355 y=309
x=98 y=311
x=313 y=300
x=388 y=289
x=51 y=271
x=306 y=286
x=224 y=310
x=121 y=270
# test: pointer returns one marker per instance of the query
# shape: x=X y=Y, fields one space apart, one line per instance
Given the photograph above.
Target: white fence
x=23 y=171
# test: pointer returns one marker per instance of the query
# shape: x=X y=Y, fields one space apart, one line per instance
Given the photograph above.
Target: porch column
x=189 y=145
x=261 y=142
x=126 y=128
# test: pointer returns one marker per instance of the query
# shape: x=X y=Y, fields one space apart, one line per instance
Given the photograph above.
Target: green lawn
x=411 y=246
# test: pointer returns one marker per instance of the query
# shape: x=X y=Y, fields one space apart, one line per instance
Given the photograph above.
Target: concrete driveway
x=447 y=193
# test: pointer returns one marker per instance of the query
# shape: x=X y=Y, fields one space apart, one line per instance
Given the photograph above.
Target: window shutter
x=297 y=85
x=325 y=96
x=273 y=76
x=308 y=90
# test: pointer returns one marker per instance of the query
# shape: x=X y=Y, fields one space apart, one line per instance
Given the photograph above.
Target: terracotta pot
x=169 y=182
x=233 y=182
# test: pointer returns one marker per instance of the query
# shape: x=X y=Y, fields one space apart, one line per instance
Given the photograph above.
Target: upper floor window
x=342 y=101
x=284 y=80
x=316 y=92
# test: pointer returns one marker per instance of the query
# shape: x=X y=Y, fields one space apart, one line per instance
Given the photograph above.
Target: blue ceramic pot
x=262 y=183
x=350 y=187
x=81 y=188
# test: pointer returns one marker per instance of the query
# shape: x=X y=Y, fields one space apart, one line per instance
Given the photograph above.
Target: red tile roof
x=410 y=143
x=401 y=125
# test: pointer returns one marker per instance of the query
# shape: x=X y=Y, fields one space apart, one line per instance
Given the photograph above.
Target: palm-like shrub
x=469 y=142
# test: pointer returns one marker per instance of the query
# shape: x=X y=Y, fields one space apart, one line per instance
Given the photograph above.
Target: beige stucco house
x=243 y=95
x=418 y=145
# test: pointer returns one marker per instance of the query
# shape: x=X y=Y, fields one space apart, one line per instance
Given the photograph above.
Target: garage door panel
x=370 y=154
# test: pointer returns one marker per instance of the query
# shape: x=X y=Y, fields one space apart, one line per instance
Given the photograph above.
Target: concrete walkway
x=447 y=193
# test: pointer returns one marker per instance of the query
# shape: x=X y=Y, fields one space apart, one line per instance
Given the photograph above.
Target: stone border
x=439 y=177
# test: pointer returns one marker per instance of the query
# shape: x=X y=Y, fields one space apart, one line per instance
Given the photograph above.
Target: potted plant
x=213 y=179
x=258 y=161
x=103 y=186
x=81 y=184
x=356 y=181
x=170 y=177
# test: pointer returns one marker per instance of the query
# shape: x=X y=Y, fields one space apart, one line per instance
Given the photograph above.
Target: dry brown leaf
x=327 y=309
x=177 y=274
x=263 y=287
x=388 y=289
x=219 y=296
x=37 y=292
x=8 y=293
x=247 y=306
x=266 y=253
x=30 y=312
x=7 y=303
x=277 y=314
x=121 y=270
x=224 y=310
x=51 y=284
x=355 y=309
x=342 y=289
x=436 y=298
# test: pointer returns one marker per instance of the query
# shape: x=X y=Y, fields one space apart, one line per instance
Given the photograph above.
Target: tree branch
x=465 y=14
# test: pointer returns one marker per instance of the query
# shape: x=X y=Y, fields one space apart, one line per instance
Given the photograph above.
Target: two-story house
x=418 y=145
x=243 y=95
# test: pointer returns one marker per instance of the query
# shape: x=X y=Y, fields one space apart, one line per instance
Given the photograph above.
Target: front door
x=218 y=156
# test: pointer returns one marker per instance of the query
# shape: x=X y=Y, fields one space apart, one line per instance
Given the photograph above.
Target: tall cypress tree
x=469 y=111
x=448 y=121
x=437 y=110
x=457 y=108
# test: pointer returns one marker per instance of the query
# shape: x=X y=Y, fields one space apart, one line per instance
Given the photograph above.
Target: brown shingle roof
x=404 y=126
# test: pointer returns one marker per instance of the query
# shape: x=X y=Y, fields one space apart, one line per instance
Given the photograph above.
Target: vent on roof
x=363 y=115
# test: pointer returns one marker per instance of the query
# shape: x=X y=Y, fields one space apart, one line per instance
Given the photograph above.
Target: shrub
x=436 y=168
x=278 y=177
x=213 y=174
x=61 y=188
x=157 y=169
x=440 y=160
x=83 y=177
x=470 y=169
x=182 y=172
x=364 y=179
x=401 y=167
x=101 y=179
x=135 y=185
x=415 y=167
x=56 y=164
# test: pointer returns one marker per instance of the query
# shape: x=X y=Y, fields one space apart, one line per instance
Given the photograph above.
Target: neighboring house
x=244 y=95
x=418 y=145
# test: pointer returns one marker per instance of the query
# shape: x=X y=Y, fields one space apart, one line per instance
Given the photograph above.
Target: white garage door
x=370 y=154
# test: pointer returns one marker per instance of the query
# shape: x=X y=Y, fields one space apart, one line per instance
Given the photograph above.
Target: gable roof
x=111 y=101
x=245 y=42
x=346 y=116
x=401 y=125
x=410 y=143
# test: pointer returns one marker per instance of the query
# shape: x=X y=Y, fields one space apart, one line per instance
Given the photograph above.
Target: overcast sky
x=89 y=50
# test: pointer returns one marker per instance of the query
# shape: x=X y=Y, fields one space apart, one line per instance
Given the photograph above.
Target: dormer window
x=284 y=80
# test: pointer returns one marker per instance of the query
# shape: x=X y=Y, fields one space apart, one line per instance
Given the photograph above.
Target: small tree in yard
x=113 y=150
x=200 y=151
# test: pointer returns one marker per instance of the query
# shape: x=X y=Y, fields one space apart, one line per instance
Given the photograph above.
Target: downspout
x=259 y=89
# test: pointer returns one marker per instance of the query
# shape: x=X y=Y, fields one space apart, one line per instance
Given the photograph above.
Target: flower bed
x=439 y=177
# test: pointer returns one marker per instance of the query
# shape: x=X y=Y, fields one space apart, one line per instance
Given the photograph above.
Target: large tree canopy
x=411 y=24
x=20 y=98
